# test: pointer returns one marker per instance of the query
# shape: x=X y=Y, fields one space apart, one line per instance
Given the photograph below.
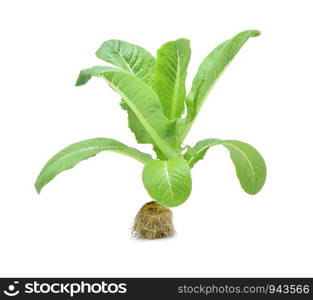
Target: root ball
x=153 y=221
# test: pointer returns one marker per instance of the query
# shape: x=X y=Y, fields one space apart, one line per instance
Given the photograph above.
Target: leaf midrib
x=167 y=176
x=126 y=63
x=164 y=147
x=176 y=88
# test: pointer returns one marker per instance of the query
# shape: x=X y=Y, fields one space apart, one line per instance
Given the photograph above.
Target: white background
x=79 y=224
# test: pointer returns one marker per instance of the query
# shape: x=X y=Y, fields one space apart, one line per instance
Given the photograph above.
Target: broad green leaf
x=170 y=75
x=168 y=182
x=73 y=154
x=143 y=102
x=215 y=63
x=128 y=57
x=209 y=72
x=249 y=164
x=139 y=62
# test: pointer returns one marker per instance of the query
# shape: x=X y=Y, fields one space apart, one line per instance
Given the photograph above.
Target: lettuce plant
x=161 y=113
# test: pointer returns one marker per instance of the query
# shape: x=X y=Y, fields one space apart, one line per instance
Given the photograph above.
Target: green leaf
x=249 y=164
x=170 y=75
x=128 y=57
x=141 y=134
x=209 y=72
x=137 y=61
x=168 y=182
x=215 y=63
x=143 y=102
x=73 y=154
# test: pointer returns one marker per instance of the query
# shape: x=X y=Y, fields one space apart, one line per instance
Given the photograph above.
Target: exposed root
x=153 y=221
